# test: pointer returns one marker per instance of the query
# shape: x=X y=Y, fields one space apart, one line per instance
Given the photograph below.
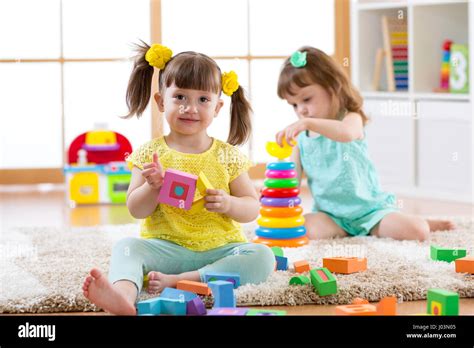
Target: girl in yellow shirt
x=178 y=244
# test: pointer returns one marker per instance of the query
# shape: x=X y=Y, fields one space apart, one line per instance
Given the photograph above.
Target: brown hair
x=324 y=71
x=187 y=70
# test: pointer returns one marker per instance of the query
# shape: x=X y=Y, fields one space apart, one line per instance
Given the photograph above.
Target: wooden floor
x=46 y=206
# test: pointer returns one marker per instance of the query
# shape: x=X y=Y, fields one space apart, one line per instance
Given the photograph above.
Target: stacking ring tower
x=281 y=222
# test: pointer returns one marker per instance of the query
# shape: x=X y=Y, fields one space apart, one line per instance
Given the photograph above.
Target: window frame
x=55 y=175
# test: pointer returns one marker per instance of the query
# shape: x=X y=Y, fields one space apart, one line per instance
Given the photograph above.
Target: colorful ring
x=281 y=174
x=281 y=165
x=285 y=243
x=280 y=202
x=281 y=233
x=272 y=222
x=281 y=183
x=280 y=212
x=280 y=192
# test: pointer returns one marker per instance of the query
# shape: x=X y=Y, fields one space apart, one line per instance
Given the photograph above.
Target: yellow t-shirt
x=196 y=229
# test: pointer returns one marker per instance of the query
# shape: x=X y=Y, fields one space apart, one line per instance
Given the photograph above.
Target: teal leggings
x=132 y=258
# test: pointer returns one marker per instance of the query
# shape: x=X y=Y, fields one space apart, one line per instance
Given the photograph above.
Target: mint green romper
x=344 y=183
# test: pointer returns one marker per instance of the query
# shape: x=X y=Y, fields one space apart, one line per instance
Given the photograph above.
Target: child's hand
x=291 y=132
x=218 y=201
x=153 y=173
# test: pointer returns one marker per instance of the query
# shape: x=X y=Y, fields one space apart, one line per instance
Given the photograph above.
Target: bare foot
x=100 y=292
x=157 y=281
x=441 y=225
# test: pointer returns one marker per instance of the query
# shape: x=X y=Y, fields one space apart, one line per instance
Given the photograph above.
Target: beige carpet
x=42 y=269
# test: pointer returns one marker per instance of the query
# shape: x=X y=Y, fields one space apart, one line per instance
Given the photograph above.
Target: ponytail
x=240 y=124
x=139 y=85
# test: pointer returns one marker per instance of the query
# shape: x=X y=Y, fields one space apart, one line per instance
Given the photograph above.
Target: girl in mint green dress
x=332 y=152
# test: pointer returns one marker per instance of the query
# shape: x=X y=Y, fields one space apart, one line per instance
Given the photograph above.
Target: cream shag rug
x=42 y=268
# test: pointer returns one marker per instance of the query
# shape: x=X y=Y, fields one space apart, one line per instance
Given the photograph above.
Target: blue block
x=229 y=277
x=282 y=263
x=149 y=306
x=172 y=306
x=223 y=293
x=176 y=294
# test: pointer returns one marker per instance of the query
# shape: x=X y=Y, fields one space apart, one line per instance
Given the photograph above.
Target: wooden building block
x=323 y=281
x=359 y=300
x=277 y=251
x=442 y=302
x=228 y=311
x=223 y=293
x=445 y=254
x=195 y=287
x=345 y=265
x=234 y=278
x=195 y=307
x=301 y=266
x=465 y=265
x=299 y=280
x=149 y=307
x=172 y=306
x=356 y=309
x=202 y=185
x=177 y=294
x=387 y=306
x=259 y=312
x=178 y=189
x=282 y=263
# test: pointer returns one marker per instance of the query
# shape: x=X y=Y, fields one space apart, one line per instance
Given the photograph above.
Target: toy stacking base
x=281 y=222
x=284 y=243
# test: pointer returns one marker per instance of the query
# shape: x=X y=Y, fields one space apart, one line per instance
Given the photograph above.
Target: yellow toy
x=272 y=222
x=279 y=152
x=202 y=185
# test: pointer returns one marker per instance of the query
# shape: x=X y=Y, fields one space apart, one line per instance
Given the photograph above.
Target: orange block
x=345 y=265
x=301 y=266
x=356 y=309
x=465 y=265
x=359 y=300
x=387 y=306
x=196 y=287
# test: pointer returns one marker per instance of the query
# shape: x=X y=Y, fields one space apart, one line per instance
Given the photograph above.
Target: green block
x=117 y=187
x=444 y=254
x=323 y=281
x=459 y=69
x=254 y=312
x=299 y=280
x=277 y=251
x=442 y=302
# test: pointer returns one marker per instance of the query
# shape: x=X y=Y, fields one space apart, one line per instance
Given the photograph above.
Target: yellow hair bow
x=229 y=83
x=158 y=55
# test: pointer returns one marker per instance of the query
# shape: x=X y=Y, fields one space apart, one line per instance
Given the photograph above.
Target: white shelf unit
x=420 y=141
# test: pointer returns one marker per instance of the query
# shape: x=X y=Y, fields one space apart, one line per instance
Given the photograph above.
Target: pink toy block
x=226 y=311
x=178 y=189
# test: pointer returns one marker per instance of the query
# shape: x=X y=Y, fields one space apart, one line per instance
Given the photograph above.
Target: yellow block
x=280 y=222
x=202 y=185
x=101 y=138
x=84 y=188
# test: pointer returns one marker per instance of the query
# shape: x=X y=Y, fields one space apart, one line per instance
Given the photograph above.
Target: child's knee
x=262 y=262
x=126 y=247
x=421 y=231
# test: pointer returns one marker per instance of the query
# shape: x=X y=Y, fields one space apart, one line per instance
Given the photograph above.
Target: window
x=251 y=37
x=63 y=69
